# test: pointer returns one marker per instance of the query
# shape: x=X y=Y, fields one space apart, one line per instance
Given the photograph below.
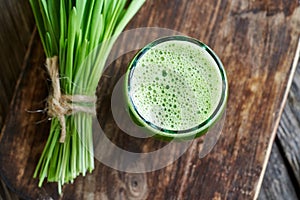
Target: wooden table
x=257 y=42
x=282 y=177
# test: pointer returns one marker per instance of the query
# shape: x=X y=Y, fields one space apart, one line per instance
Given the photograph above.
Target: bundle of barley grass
x=77 y=36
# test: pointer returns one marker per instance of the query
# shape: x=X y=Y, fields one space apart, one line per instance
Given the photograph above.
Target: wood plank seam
x=269 y=149
x=236 y=42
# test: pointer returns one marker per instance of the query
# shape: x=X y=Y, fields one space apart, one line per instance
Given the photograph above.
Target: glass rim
x=204 y=125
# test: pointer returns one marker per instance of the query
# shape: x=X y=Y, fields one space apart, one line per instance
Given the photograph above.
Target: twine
x=61 y=105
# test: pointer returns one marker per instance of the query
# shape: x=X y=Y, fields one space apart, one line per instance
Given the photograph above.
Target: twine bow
x=61 y=105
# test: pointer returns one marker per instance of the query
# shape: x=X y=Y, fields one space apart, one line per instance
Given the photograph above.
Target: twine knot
x=61 y=105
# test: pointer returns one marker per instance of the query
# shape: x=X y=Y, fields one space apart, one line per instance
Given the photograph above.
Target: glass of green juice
x=176 y=87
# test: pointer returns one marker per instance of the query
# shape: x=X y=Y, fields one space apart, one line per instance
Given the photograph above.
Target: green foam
x=176 y=85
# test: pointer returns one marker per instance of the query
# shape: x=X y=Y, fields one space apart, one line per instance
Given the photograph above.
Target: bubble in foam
x=175 y=85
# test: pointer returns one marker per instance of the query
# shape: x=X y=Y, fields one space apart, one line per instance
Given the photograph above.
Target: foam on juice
x=175 y=85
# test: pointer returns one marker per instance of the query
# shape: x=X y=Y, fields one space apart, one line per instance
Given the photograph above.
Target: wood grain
x=277 y=183
x=16 y=28
x=256 y=42
x=285 y=163
x=288 y=131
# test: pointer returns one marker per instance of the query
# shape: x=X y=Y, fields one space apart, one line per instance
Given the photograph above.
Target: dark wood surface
x=289 y=129
x=277 y=183
x=282 y=175
x=16 y=28
x=256 y=42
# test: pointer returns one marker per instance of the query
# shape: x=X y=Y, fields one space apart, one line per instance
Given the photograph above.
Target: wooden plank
x=287 y=140
x=16 y=28
x=246 y=36
x=288 y=131
x=277 y=183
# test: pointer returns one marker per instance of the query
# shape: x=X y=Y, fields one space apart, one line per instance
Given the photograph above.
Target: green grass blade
x=39 y=23
x=133 y=8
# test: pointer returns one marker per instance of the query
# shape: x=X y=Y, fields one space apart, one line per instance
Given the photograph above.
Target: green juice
x=176 y=87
